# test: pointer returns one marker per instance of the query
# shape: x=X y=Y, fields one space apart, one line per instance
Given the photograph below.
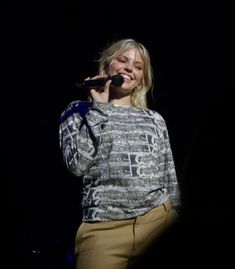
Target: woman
x=121 y=150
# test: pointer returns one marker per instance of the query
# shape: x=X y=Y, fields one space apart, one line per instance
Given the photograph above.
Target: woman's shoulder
x=80 y=103
x=155 y=114
x=76 y=106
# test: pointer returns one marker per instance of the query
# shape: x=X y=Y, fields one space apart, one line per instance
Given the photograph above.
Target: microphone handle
x=117 y=80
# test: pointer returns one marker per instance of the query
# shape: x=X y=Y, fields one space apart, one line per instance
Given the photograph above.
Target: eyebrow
x=138 y=62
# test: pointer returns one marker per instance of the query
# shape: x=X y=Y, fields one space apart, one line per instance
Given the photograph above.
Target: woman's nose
x=128 y=67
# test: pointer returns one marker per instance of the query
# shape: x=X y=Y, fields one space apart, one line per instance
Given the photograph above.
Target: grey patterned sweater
x=123 y=156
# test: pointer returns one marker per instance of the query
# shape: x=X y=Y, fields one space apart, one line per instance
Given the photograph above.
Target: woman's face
x=130 y=65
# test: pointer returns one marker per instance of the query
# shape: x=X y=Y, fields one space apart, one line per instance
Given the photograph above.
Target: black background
x=46 y=49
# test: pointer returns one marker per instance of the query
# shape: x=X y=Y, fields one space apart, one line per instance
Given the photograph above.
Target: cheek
x=139 y=77
x=113 y=67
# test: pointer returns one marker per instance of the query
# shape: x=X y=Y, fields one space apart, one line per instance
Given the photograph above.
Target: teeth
x=126 y=76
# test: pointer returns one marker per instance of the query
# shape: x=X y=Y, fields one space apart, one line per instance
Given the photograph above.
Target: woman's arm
x=79 y=132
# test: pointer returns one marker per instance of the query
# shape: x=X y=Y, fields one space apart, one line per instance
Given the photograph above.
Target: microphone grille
x=117 y=80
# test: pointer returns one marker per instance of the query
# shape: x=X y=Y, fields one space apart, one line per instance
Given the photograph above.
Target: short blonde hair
x=138 y=97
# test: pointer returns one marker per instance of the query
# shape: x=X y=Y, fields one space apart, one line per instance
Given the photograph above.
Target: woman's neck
x=124 y=101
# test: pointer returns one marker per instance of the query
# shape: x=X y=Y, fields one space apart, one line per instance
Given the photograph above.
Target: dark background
x=46 y=49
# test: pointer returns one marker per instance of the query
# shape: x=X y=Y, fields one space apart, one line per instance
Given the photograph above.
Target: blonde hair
x=138 y=97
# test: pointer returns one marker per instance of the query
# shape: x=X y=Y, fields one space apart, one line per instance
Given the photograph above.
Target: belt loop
x=166 y=205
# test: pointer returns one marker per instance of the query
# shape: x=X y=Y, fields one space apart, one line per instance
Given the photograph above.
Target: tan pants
x=118 y=244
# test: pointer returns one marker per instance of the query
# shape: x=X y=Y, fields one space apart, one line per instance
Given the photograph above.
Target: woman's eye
x=121 y=60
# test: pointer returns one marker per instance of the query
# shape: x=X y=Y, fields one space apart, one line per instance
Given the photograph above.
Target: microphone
x=117 y=80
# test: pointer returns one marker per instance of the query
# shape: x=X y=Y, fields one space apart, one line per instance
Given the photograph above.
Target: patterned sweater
x=123 y=156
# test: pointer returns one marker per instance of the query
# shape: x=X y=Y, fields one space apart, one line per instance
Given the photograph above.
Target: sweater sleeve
x=79 y=133
x=170 y=177
x=168 y=166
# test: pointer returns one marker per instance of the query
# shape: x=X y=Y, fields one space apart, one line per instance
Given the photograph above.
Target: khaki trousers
x=119 y=244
